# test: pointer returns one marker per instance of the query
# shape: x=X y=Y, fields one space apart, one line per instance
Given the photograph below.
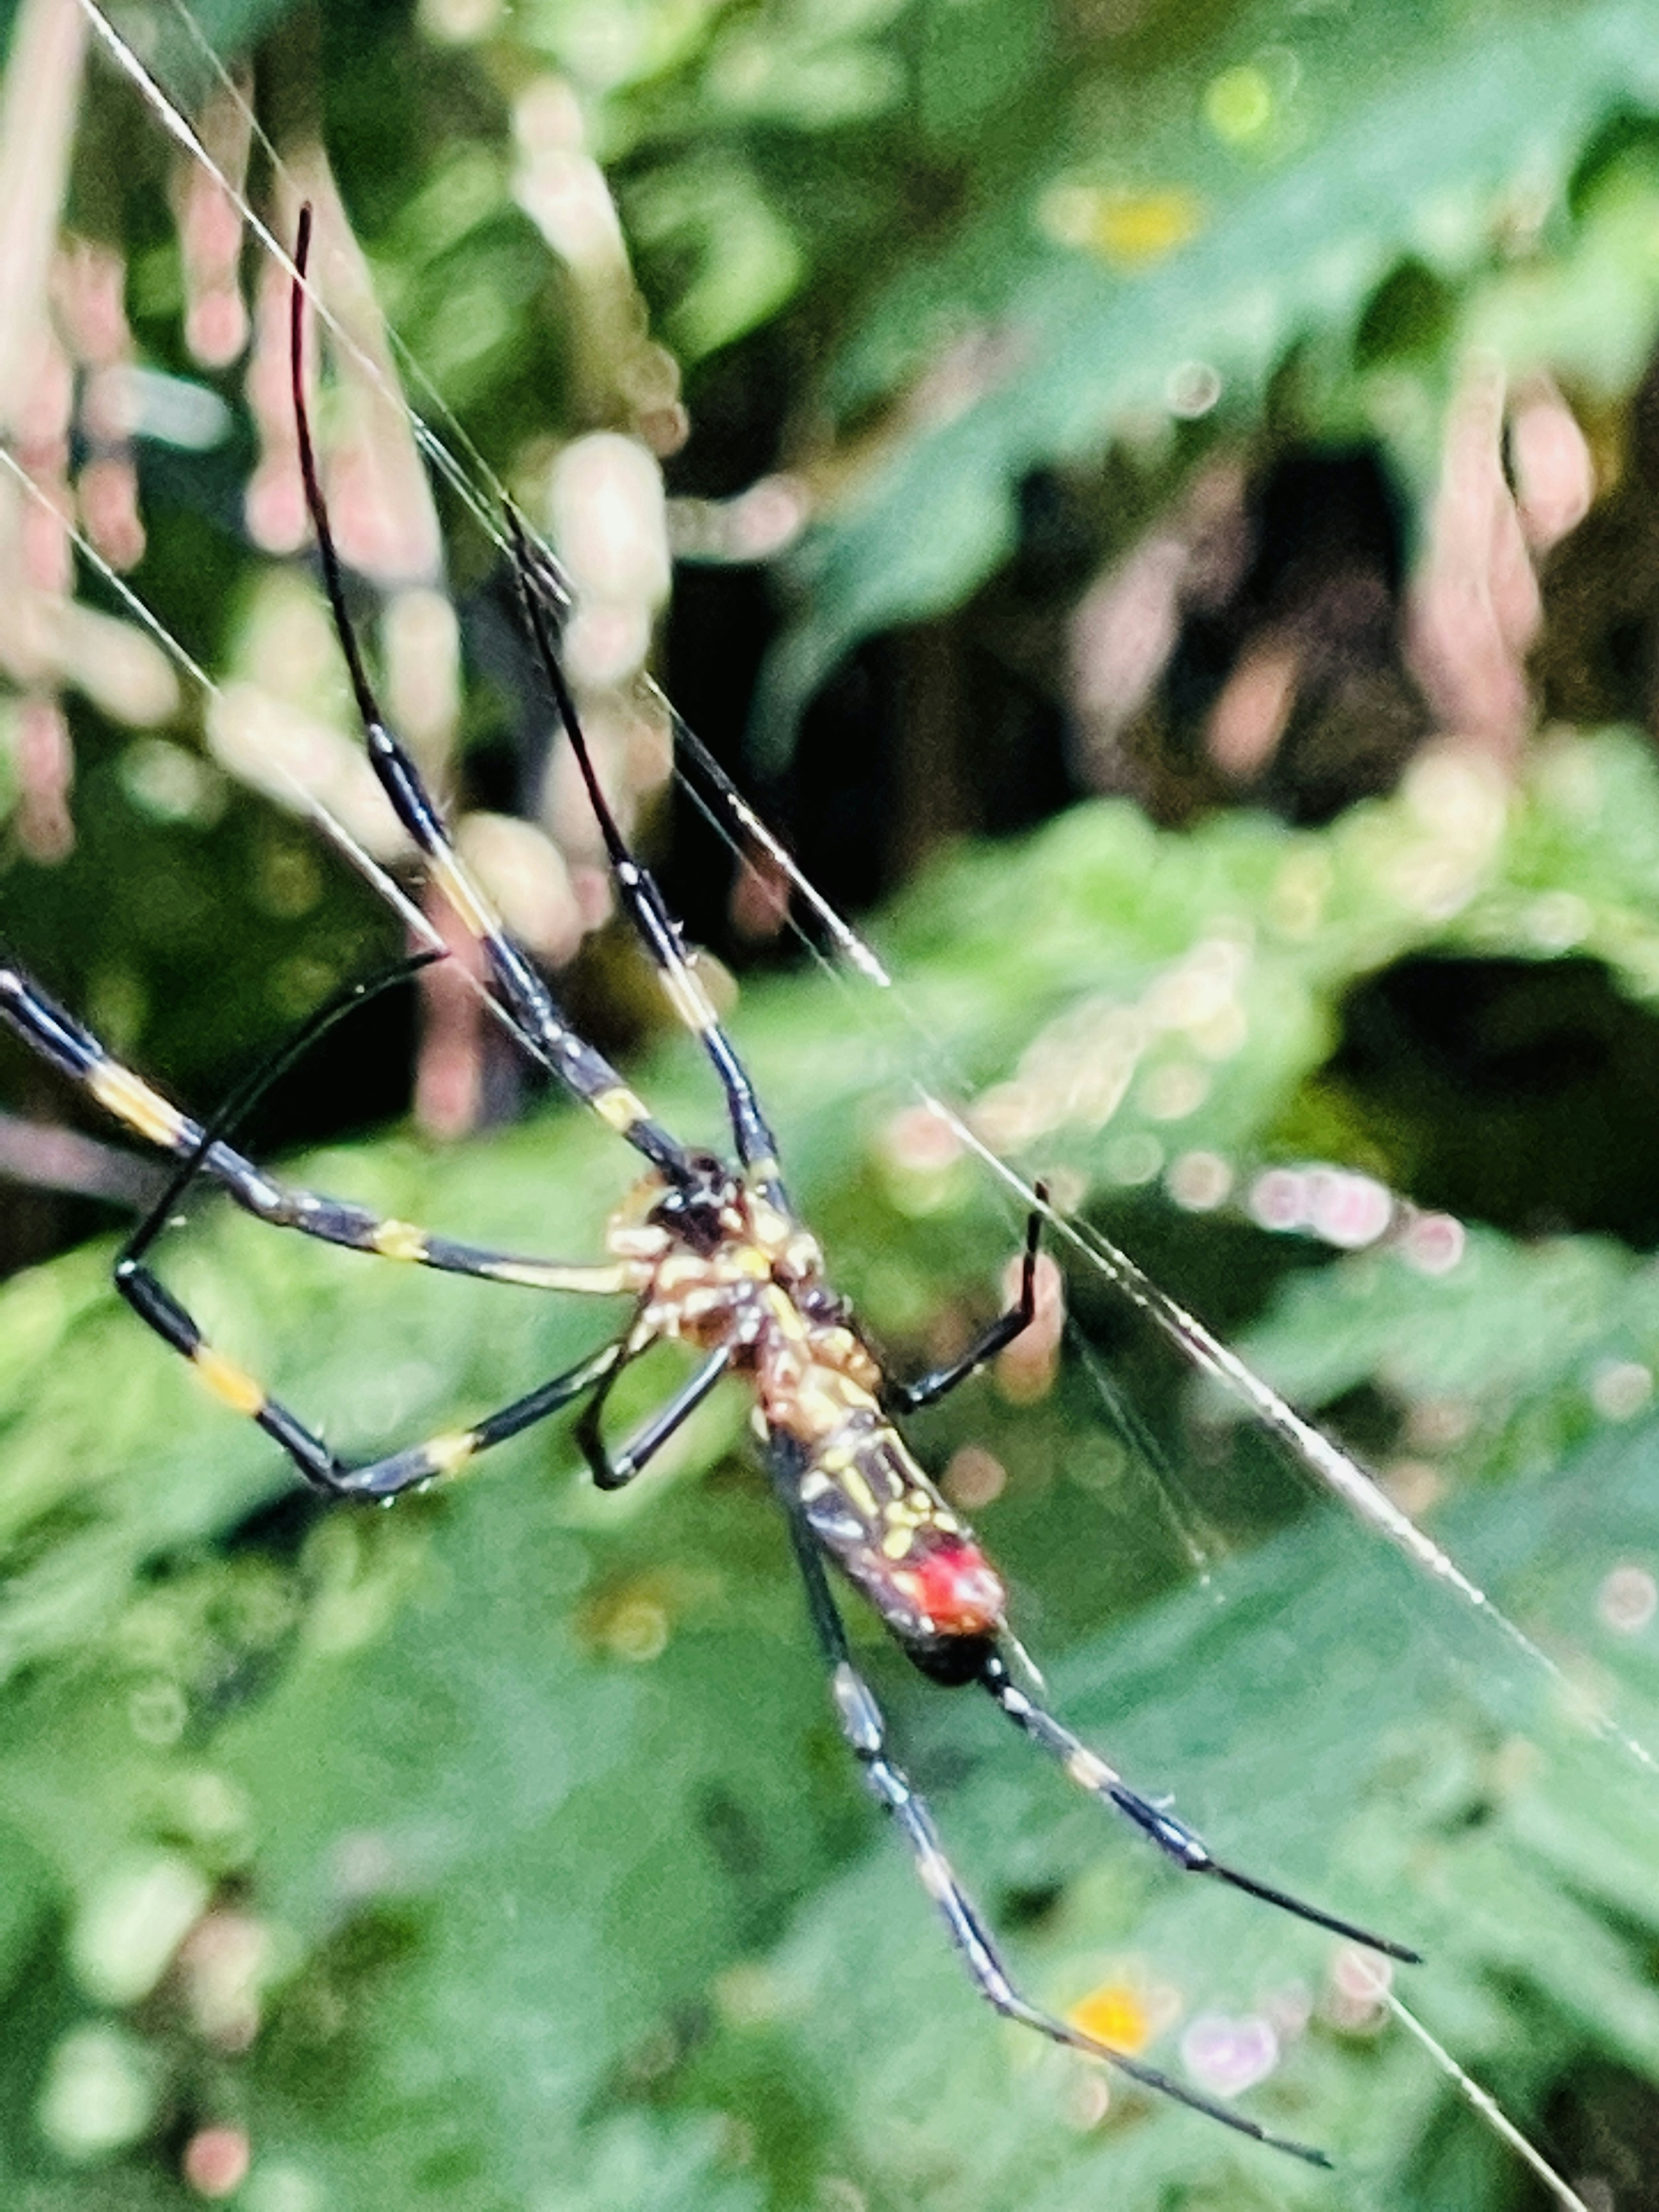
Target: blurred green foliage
x=1343 y=191
x=500 y=1851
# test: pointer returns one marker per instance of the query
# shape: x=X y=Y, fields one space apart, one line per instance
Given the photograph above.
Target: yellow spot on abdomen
x=859 y=1491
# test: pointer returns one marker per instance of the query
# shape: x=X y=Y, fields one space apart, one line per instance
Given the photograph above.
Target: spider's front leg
x=864 y=1727
x=612 y=1470
x=928 y=1389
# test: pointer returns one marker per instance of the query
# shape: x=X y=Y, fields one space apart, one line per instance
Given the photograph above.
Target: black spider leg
x=72 y=1049
x=862 y=1724
x=928 y=1389
x=77 y=1053
x=613 y=1470
x=445 y=1454
x=583 y=1071
x=1173 y=1837
x=646 y=907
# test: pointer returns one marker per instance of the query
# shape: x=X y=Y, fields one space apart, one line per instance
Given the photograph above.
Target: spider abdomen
x=896 y=1541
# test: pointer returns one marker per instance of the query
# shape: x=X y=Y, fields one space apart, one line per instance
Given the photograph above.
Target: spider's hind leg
x=1173 y=1837
x=863 y=1729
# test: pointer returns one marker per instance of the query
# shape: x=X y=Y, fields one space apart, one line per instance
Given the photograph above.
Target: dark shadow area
x=1516 y=1093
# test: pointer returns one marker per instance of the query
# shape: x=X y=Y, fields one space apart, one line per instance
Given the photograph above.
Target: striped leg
x=584 y=1072
x=407 y=1469
x=73 y=1049
x=1173 y=1837
x=861 y=1724
x=644 y=902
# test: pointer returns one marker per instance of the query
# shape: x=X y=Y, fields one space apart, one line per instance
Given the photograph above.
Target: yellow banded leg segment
x=230 y=1384
x=400 y=1240
x=604 y=1280
x=476 y=914
x=126 y=1096
x=686 y=995
x=447 y=1454
x=621 y=1108
x=1088 y=1772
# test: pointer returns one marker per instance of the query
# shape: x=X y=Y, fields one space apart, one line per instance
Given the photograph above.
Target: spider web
x=1513 y=1675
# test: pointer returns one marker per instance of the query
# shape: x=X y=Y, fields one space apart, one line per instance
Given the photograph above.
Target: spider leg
x=864 y=1730
x=643 y=901
x=1173 y=1837
x=74 y=1050
x=443 y=1455
x=583 y=1071
x=928 y=1389
x=612 y=1470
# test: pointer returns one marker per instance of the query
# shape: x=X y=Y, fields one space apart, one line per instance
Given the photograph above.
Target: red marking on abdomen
x=961 y=1593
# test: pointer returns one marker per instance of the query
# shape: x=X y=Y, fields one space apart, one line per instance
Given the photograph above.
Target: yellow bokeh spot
x=637 y=1629
x=1128 y=227
x=1238 y=104
x=1114 y=2015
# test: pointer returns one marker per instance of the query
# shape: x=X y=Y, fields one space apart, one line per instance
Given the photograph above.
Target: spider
x=713 y=1255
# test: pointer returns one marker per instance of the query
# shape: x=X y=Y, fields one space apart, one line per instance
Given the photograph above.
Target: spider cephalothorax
x=715 y=1260
x=704 y=1209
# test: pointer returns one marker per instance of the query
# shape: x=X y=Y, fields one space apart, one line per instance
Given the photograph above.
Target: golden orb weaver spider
x=713 y=1256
